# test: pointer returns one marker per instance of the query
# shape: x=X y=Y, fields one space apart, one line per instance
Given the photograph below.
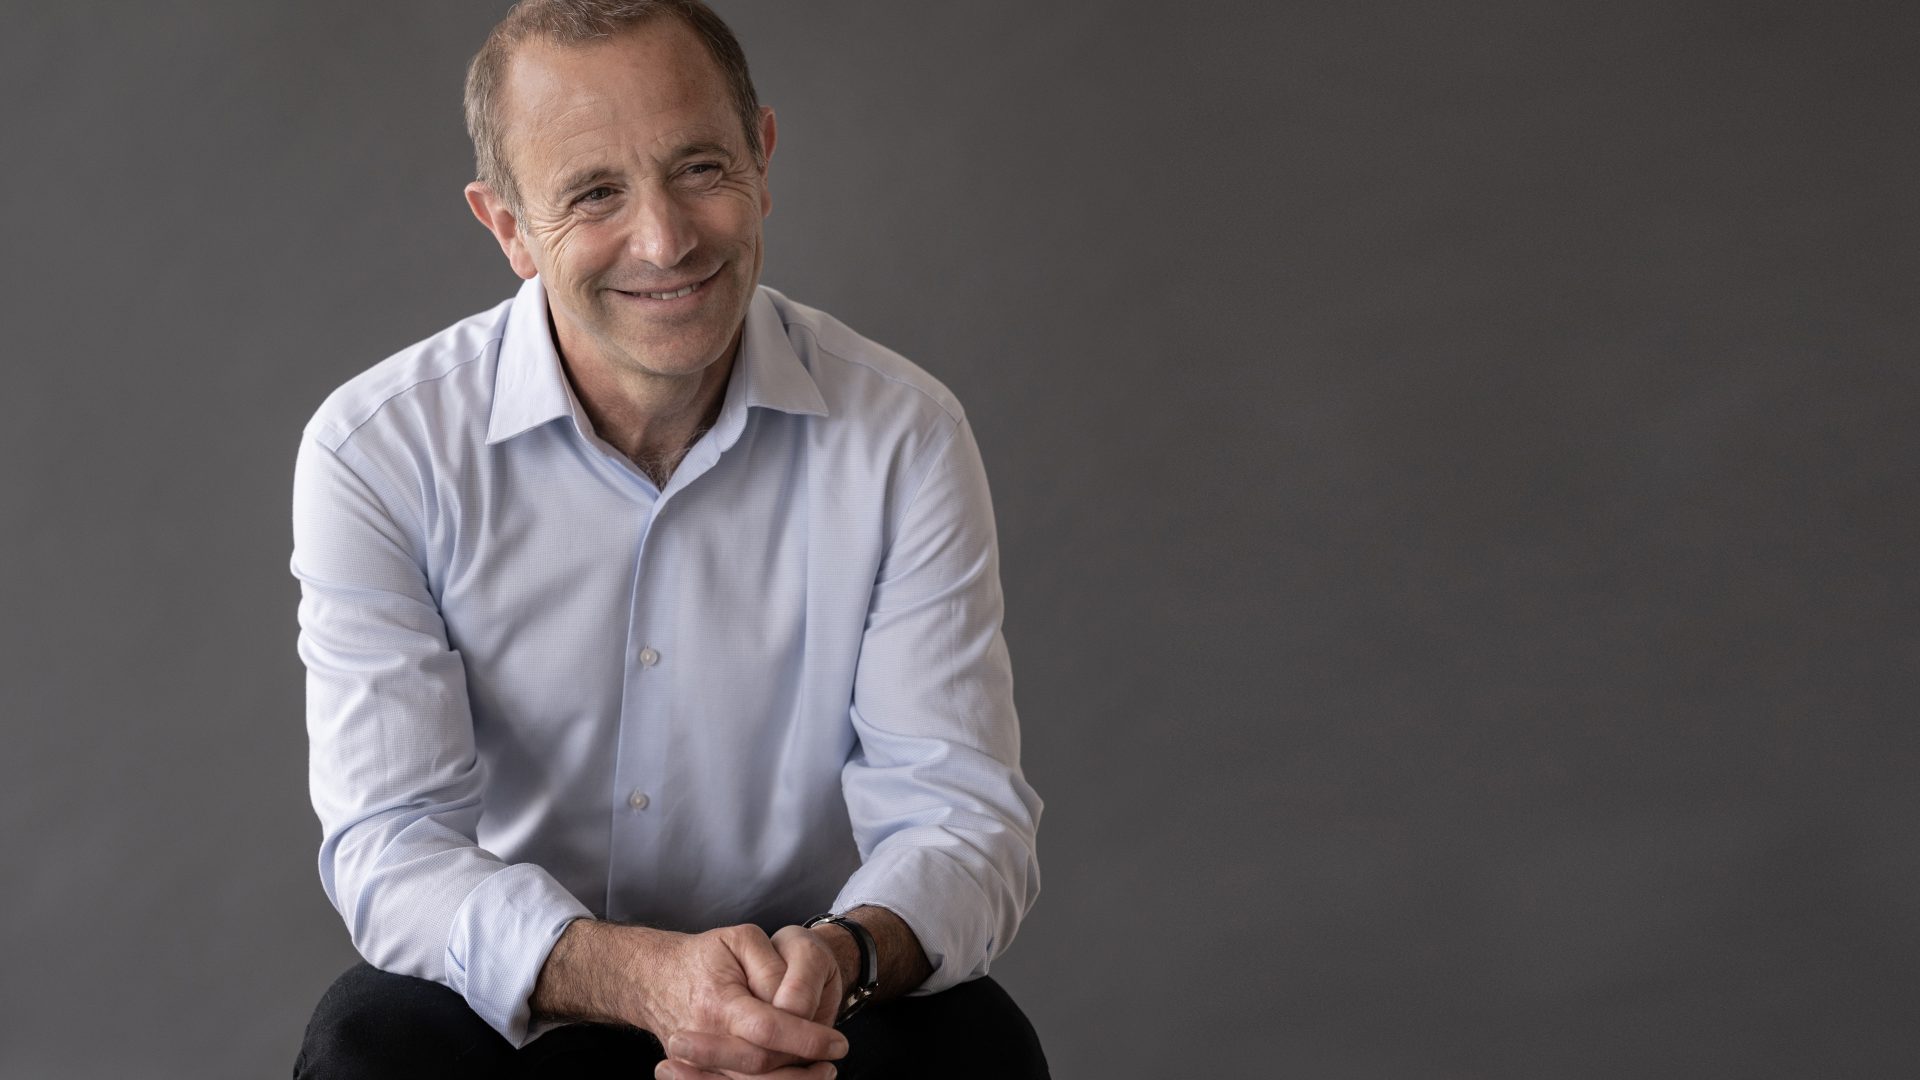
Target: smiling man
x=659 y=712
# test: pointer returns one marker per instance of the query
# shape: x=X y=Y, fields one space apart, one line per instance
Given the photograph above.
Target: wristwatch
x=869 y=963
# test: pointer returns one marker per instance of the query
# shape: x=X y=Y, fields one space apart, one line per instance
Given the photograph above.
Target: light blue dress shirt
x=540 y=688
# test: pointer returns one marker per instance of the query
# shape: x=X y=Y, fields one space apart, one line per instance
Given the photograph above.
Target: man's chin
x=673 y=354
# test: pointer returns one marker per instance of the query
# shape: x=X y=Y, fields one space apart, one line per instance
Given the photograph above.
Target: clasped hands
x=729 y=1003
x=736 y=1003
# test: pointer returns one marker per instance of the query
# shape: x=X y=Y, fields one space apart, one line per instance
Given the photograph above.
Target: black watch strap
x=869 y=963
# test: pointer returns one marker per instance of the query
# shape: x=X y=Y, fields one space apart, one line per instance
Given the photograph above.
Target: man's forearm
x=589 y=974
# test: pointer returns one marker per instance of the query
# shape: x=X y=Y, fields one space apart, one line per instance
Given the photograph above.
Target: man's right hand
x=704 y=996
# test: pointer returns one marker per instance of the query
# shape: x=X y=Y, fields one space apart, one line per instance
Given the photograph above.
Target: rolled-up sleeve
x=393 y=772
x=944 y=820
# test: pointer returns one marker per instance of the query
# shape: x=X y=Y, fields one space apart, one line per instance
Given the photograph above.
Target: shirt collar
x=530 y=388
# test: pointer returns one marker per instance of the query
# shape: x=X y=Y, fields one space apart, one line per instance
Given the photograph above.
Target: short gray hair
x=582 y=22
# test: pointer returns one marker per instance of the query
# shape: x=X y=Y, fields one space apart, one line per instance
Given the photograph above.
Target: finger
x=680 y=1070
x=810 y=967
x=758 y=959
x=829 y=1009
x=831 y=994
x=707 y=1050
x=763 y=1025
x=822 y=1070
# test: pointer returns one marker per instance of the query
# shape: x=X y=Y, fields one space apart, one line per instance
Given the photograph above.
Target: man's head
x=622 y=157
x=585 y=22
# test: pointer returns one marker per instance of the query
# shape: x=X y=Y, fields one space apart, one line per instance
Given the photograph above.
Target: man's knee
x=371 y=1023
x=1008 y=1044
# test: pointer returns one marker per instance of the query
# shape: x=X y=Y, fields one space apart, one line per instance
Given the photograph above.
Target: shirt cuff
x=500 y=939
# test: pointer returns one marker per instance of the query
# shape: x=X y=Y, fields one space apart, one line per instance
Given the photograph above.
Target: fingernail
x=837 y=1048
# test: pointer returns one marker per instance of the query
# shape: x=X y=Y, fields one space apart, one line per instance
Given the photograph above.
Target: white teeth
x=688 y=291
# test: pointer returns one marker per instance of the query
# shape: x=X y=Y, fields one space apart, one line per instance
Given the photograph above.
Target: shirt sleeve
x=944 y=820
x=392 y=768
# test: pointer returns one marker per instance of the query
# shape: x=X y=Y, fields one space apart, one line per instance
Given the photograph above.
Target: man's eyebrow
x=584 y=178
x=698 y=149
x=595 y=174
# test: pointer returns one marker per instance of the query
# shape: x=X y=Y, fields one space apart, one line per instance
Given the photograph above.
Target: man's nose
x=663 y=232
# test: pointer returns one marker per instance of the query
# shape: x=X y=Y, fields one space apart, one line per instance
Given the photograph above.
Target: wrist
x=846 y=951
x=861 y=979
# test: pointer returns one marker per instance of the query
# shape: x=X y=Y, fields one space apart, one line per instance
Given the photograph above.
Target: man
x=647 y=613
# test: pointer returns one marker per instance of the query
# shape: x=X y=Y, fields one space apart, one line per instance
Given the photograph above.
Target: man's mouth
x=672 y=294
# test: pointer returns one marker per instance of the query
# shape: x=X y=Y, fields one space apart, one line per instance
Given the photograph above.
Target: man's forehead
x=657 y=72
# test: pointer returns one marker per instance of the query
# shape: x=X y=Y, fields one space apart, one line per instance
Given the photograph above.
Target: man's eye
x=599 y=194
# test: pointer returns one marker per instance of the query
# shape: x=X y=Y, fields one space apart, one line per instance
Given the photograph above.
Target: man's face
x=640 y=202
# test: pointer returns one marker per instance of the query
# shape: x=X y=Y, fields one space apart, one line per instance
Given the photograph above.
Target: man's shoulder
x=858 y=371
x=440 y=377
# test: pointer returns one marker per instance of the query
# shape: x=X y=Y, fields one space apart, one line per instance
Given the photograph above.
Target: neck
x=651 y=419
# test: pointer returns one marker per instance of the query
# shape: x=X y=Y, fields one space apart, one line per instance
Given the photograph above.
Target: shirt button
x=637 y=800
x=649 y=657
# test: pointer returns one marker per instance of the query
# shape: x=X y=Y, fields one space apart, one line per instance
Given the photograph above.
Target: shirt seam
x=347 y=433
x=416 y=536
x=934 y=458
x=952 y=411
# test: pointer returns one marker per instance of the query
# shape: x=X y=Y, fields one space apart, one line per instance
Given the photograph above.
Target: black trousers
x=371 y=1024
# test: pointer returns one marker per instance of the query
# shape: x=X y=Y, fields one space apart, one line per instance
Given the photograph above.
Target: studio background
x=1454 y=467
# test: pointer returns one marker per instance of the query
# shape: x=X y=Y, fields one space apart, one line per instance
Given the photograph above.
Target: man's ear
x=769 y=133
x=497 y=216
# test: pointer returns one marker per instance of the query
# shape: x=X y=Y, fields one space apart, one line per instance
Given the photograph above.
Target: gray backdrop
x=1454 y=465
